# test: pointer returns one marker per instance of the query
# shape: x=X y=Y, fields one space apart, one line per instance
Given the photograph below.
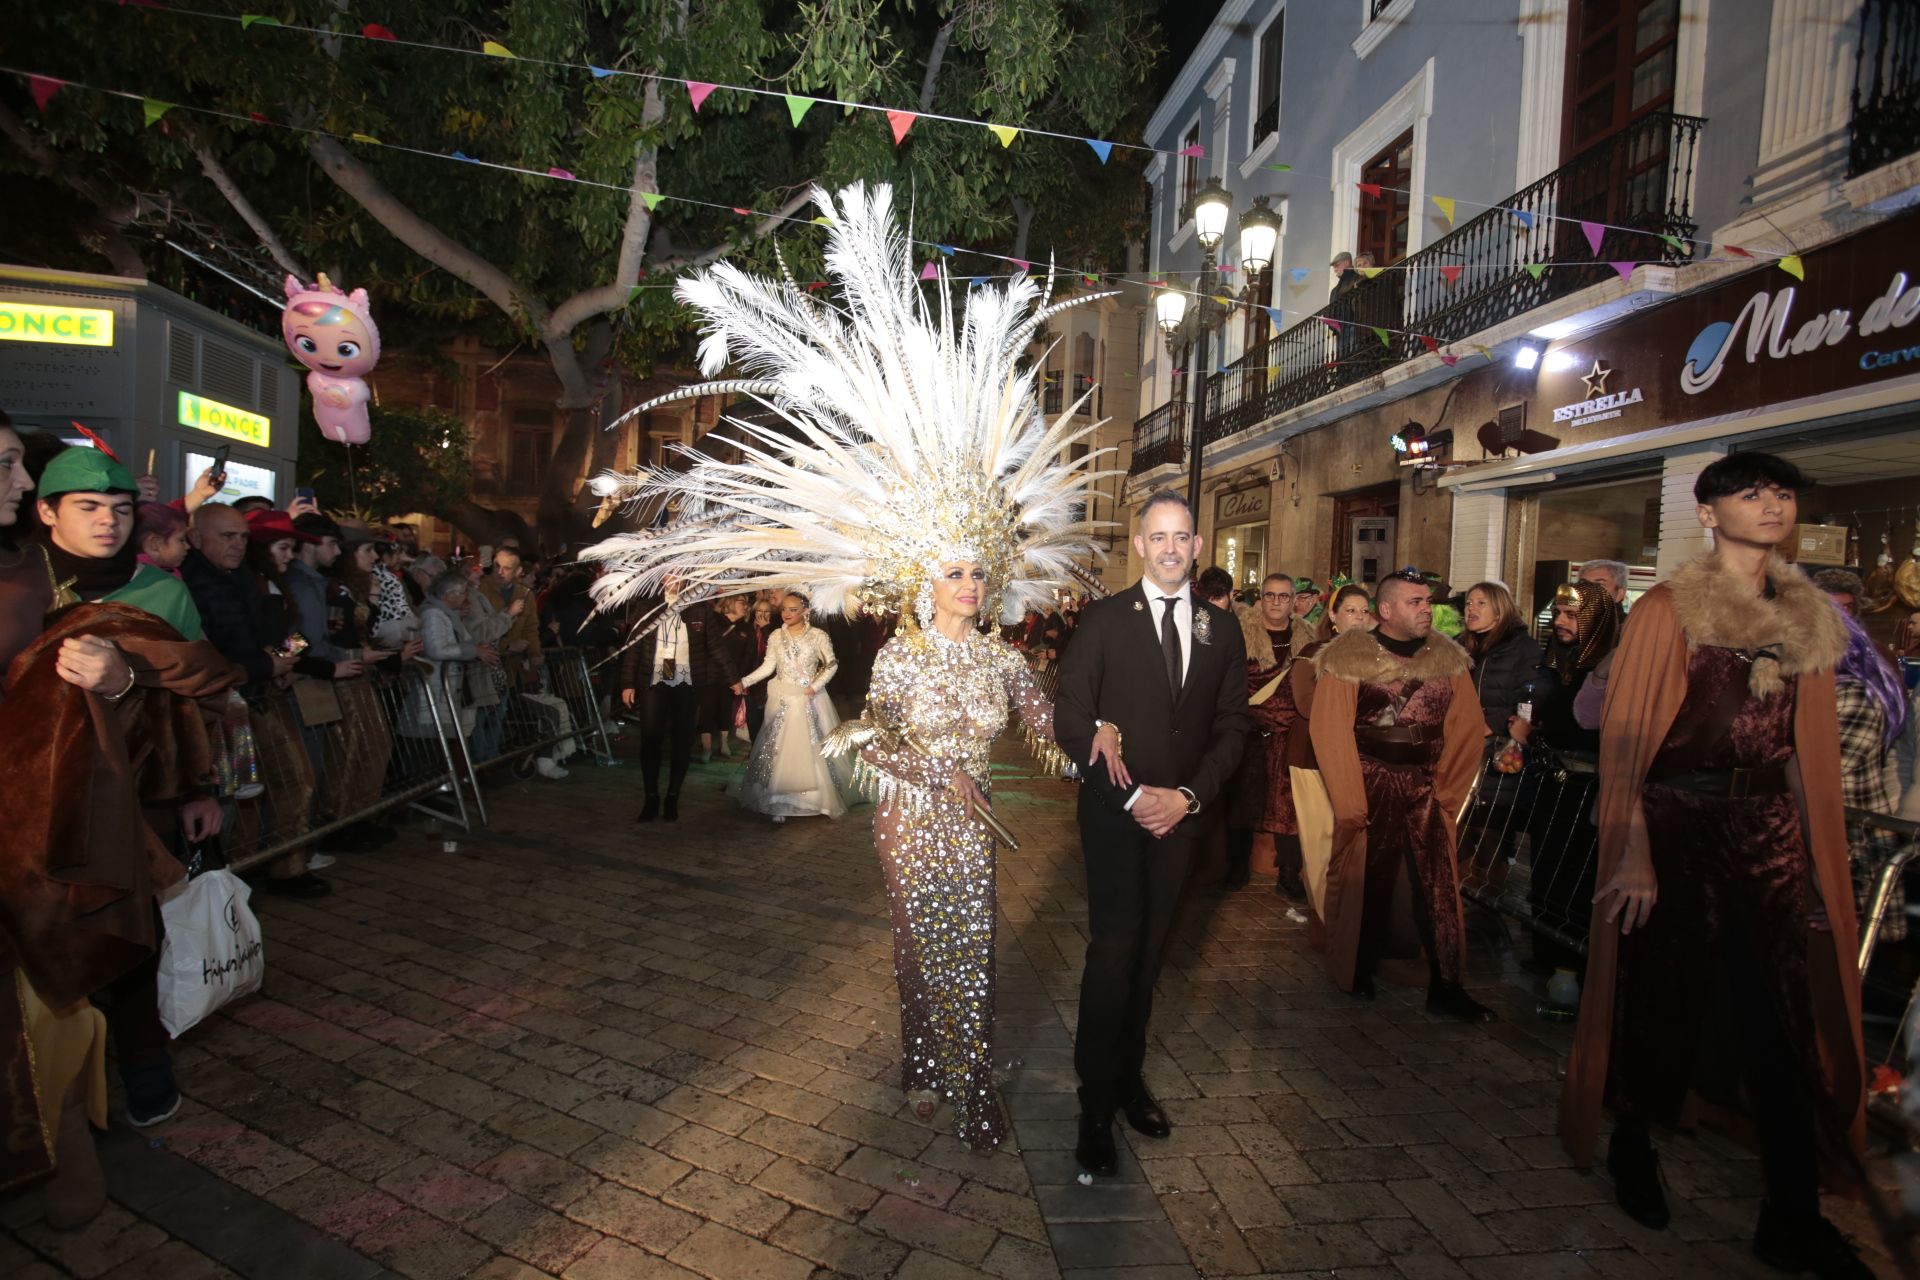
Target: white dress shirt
x=1182 y=623
x=672 y=641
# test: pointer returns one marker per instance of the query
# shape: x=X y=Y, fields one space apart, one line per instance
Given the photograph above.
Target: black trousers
x=1133 y=888
x=669 y=719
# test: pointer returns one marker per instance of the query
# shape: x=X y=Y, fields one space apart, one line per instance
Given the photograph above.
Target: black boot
x=1451 y=1000
x=1288 y=884
x=650 y=810
x=1798 y=1243
x=1095 y=1150
x=1144 y=1113
x=671 y=810
x=1363 y=986
x=1635 y=1170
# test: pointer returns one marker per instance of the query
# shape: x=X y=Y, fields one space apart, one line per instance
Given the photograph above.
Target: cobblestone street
x=579 y=1048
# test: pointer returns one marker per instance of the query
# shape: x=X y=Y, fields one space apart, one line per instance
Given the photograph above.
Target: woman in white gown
x=787 y=776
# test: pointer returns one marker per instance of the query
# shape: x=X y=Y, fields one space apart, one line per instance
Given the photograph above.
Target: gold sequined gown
x=954 y=697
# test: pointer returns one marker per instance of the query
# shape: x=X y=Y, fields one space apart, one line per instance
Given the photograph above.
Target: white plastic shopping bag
x=212 y=953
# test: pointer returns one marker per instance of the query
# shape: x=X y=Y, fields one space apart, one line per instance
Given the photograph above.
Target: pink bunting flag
x=1451 y=274
x=743 y=211
x=698 y=91
x=1594 y=233
x=1624 y=268
x=1447 y=360
x=1330 y=322
x=560 y=173
x=1736 y=251
x=1021 y=263
x=1197 y=151
x=257 y=118
x=43 y=88
x=929 y=272
x=374 y=31
x=1369 y=188
x=901 y=122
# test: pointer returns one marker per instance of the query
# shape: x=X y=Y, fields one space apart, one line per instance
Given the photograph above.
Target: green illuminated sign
x=69 y=326
x=219 y=419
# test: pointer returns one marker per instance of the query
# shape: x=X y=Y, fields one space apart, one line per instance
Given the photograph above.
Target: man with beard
x=1397 y=727
x=1560 y=832
x=1720 y=963
x=1262 y=794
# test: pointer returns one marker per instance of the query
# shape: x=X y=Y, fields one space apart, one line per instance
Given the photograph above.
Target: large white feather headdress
x=900 y=437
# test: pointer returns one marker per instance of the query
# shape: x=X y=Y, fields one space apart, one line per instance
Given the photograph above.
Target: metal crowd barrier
x=306 y=762
x=1529 y=849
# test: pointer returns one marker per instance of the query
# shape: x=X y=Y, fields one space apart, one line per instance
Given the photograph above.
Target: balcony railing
x=1637 y=184
x=1160 y=437
x=1886 y=85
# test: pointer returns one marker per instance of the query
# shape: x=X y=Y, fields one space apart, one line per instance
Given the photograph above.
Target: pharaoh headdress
x=898 y=436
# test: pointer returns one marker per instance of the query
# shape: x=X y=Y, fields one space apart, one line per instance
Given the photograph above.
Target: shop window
x=1242 y=551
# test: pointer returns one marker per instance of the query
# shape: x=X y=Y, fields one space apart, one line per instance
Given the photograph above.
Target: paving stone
x=173 y=1260
x=339 y=1205
x=442 y=1189
x=631 y=1164
x=725 y=1201
x=615 y=1260
x=633 y=1217
x=922 y=1226
x=890 y=1174
x=1117 y=1244
x=103 y=1244
x=538 y=1235
x=1211 y=1237
x=723 y=1254
x=422 y=1247
x=814 y=1188
x=543 y=1178
x=838 y=1246
x=697 y=1145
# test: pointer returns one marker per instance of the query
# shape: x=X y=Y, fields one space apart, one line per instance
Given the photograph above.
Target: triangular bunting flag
x=1196 y=151
x=1624 y=268
x=1369 y=188
x=1381 y=334
x=152 y=109
x=1021 y=263
x=43 y=88
x=1005 y=132
x=1736 y=251
x=1274 y=314
x=461 y=155
x=1223 y=299
x=1484 y=350
x=1370 y=272
x=363 y=137
x=1299 y=274
x=1088 y=279
x=1451 y=274
x=1595 y=233
x=947 y=249
x=1447 y=360
x=1676 y=242
x=652 y=200
x=1535 y=269
x=632 y=293
x=1278 y=168
x=797 y=108
x=257 y=118
x=1791 y=265
x=822 y=220
x=1445 y=205
x=250 y=20
x=1429 y=343
x=374 y=31
x=901 y=122
x=816 y=284
x=1524 y=218
x=494 y=49
x=1101 y=149
x=743 y=211
x=599 y=73
x=698 y=90
x=929 y=272
x=1330 y=322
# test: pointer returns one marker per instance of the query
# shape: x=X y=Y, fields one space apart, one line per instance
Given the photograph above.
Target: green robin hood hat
x=80 y=470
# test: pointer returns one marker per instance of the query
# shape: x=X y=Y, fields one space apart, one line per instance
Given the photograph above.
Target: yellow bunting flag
x=364 y=137
x=653 y=201
x=1005 y=132
x=494 y=49
x=1371 y=272
x=1445 y=205
x=1791 y=265
x=822 y=221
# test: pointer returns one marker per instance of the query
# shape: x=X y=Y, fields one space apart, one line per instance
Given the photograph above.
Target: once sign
x=67 y=326
x=219 y=419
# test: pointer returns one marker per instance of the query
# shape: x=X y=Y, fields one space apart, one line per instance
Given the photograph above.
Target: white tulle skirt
x=787 y=777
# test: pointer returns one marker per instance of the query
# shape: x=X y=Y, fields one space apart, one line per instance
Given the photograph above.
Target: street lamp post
x=1259 y=233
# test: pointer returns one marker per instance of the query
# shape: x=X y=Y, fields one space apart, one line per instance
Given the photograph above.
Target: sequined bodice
x=805 y=659
x=955 y=696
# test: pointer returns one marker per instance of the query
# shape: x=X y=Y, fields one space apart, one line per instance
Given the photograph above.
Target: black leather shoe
x=1801 y=1244
x=670 y=811
x=650 y=810
x=1290 y=886
x=1635 y=1171
x=1145 y=1115
x=1363 y=986
x=1095 y=1150
x=1450 y=1000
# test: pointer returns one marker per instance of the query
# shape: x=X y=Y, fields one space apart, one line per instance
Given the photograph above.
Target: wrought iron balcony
x=1886 y=85
x=1636 y=183
x=1160 y=437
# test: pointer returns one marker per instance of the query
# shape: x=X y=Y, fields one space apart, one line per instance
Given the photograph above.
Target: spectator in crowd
x=305 y=584
x=450 y=652
x=395 y=623
x=86 y=505
x=507 y=594
x=1720 y=740
x=1261 y=797
x=1610 y=574
x=1586 y=628
x=734 y=641
x=1344 y=280
x=1397 y=729
x=1872 y=702
x=764 y=620
x=251 y=503
x=663 y=676
x=1215 y=586
x=1306 y=604
x=1313 y=809
x=1906 y=762
x=1504 y=655
x=160 y=536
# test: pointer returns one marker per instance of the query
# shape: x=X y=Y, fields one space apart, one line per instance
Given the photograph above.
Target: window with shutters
x=529 y=446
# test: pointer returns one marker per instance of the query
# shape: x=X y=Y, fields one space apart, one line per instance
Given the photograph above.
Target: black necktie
x=1170 y=643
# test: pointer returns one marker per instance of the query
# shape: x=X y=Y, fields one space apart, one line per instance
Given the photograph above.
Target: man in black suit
x=1166 y=671
x=665 y=675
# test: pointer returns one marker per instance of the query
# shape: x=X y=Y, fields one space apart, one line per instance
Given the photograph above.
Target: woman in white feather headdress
x=909 y=470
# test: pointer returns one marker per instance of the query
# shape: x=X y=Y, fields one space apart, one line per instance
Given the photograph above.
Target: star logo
x=1596 y=380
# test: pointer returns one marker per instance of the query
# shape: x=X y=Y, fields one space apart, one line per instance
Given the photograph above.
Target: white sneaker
x=546 y=768
x=320 y=861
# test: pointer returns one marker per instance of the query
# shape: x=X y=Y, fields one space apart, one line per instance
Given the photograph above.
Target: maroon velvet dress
x=1735 y=887
x=1404 y=822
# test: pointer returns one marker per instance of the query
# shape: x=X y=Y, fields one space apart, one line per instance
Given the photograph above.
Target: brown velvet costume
x=1773 y=867
x=1263 y=785
x=1391 y=819
x=79 y=865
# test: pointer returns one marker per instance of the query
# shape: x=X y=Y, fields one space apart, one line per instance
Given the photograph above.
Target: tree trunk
x=487 y=526
x=558 y=510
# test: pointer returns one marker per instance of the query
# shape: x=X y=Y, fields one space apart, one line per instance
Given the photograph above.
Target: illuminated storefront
x=163 y=380
x=1240 y=534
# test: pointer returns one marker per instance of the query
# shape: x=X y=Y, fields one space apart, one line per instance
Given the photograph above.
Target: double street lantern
x=1259 y=236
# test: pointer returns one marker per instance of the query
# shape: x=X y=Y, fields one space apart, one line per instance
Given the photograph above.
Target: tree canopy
x=268 y=185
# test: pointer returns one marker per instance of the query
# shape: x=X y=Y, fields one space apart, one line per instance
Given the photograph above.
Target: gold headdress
x=900 y=437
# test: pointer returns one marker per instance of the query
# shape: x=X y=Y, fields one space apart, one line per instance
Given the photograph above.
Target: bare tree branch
x=633 y=235
x=224 y=183
x=1023 y=219
x=930 y=81
x=115 y=209
x=765 y=226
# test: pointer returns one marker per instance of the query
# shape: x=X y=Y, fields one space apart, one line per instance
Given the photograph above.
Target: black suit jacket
x=1115 y=672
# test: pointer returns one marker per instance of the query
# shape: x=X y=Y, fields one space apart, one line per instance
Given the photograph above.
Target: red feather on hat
x=98 y=443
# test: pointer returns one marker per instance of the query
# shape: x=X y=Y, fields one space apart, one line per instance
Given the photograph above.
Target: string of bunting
x=43 y=88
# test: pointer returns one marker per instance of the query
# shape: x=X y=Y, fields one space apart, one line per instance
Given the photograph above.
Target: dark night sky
x=1186 y=21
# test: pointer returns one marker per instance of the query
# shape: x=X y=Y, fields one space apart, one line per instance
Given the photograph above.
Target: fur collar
x=1357 y=656
x=1253 y=629
x=1798 y=631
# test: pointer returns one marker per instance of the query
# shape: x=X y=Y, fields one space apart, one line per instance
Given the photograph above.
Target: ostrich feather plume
x=898 y=431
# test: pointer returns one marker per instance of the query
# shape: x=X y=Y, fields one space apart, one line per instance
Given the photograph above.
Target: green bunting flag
x=152 y=109
x=797 y=108
x=251 y=20
x=1536 y=269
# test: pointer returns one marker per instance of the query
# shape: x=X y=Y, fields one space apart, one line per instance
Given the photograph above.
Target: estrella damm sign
x=69 y=326
x=219 y=419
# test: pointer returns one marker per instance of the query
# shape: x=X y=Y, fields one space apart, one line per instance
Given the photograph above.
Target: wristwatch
x=1193 y=802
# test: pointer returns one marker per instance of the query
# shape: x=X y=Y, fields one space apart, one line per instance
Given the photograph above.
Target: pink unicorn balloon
x=332 y=333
